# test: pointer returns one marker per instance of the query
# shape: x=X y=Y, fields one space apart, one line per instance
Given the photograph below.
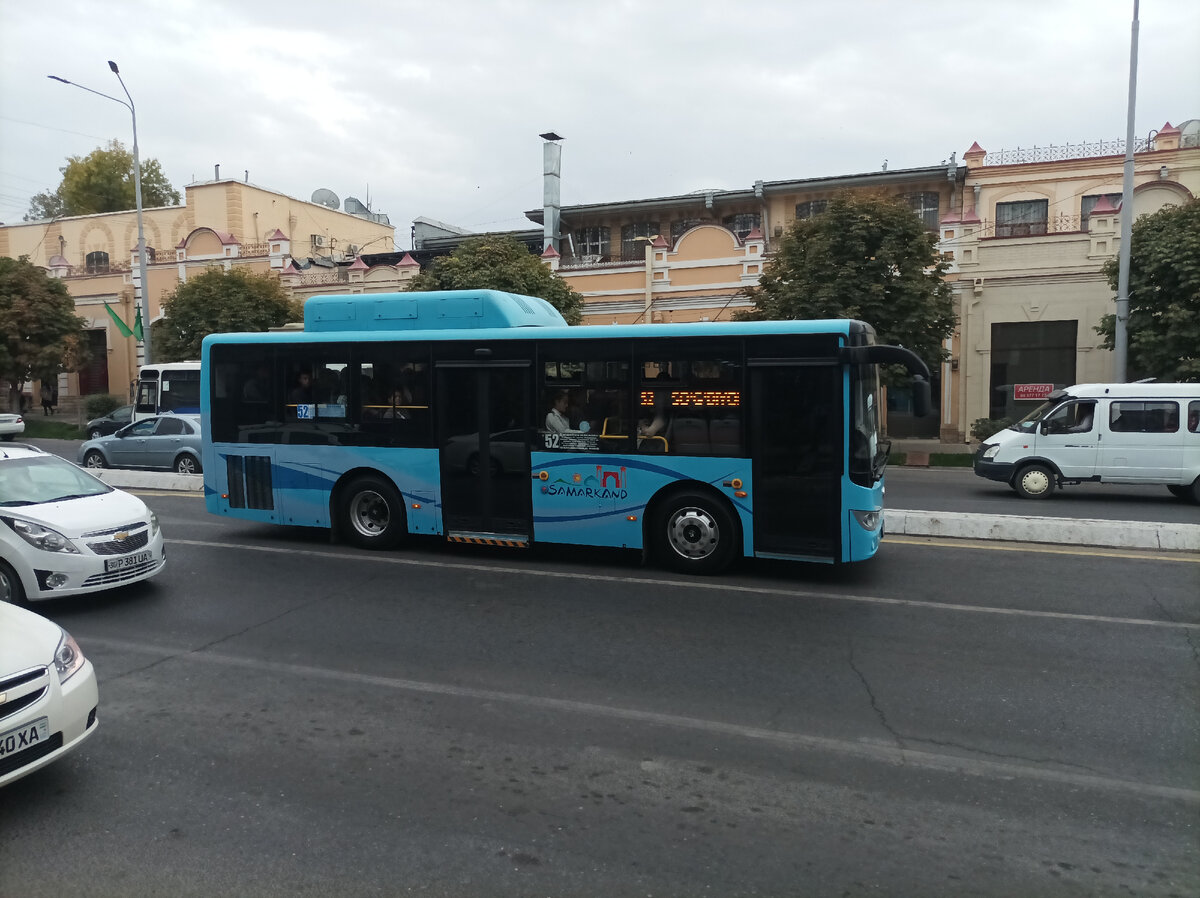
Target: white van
x=1103 y=433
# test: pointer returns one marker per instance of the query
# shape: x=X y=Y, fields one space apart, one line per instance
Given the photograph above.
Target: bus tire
x=1036 y=481
x=371 y=513
x=693 y=533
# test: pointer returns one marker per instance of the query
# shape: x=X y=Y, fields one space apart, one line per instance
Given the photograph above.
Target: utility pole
x=1121 y=328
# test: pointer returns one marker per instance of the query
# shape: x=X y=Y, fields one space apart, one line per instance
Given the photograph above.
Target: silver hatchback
x=170 y=442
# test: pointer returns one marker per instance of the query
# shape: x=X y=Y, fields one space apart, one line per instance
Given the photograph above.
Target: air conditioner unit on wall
x=352 y=249
x=318 y=239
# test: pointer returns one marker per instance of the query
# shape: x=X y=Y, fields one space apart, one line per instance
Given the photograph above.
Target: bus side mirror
x=922 y=399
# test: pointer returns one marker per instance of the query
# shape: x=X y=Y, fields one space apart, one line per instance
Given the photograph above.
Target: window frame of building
x=927 y=207
x=682 y=225
x=811 y=208
x=742 y=223
x=634 y=239
x=1085 y=207
x=96 y=262
x=591 y=244
x=1022 y=218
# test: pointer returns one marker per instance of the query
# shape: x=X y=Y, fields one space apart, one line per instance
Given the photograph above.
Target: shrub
x=101 y=404
x=985 y=427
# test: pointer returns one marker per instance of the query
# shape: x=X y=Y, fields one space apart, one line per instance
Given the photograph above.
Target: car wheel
x=94 y=459
x=10 y=585
x=371 y=513
x=1034 y=482
x=95 y=434
x=693 y=533
x=187 y=464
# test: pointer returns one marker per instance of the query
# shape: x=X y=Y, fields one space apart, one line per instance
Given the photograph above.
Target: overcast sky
x=434 y=109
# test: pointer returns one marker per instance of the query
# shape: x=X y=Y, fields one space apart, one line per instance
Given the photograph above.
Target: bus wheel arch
x=367 y=510
x=692 y=528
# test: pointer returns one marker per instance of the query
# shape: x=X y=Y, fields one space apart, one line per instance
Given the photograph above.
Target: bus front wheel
x=372 y=513
x=694 y=533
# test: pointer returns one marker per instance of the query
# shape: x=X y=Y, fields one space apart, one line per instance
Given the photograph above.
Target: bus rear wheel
x=371 y=513
x=693 y=533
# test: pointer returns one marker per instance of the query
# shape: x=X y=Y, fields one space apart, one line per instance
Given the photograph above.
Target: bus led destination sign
x=1032 y=391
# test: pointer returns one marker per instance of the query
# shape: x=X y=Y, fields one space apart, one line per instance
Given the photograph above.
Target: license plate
x=126 y=561
x=24 y=737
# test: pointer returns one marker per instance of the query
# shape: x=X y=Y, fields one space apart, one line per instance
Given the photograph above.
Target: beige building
x=1028 y=247
x=222 y=222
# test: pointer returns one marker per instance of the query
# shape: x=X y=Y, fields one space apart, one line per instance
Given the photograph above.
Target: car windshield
x=45 y=478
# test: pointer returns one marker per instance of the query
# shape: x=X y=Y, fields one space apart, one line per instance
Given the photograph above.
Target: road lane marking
x=695 y=585
x=992 y=546
x=868 y=749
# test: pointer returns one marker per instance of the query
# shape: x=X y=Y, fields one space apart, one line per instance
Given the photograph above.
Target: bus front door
x=483 y=434
x=797 y=433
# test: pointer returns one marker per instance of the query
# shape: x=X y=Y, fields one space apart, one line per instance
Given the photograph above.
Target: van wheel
x=693 y=533
x=1034 y=482
x=371 y=513
x=1189 y=493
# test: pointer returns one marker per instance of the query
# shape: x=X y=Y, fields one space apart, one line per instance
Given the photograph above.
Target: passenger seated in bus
x=556 y=419
x=302 y=391
x=396 y=408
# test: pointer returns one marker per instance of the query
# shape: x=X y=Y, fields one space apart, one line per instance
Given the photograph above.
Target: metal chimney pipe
x=551 y=196
x=217 y=172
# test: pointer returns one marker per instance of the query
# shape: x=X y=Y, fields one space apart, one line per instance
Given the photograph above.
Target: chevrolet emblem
x=122 y=536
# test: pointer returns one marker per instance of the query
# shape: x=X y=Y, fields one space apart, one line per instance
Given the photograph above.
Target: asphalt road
x=280 y=716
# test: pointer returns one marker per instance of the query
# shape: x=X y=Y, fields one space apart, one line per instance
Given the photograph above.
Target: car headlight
x=42 y=537
x=68 y=657
x=153 y=524
x=990 y=451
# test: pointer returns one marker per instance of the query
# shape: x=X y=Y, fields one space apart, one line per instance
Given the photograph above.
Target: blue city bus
x=481 y=417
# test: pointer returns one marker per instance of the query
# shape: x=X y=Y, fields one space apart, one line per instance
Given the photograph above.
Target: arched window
x=96 y=262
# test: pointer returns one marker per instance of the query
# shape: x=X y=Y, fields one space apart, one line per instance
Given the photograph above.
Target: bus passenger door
x=797 y=438
x=483 y=433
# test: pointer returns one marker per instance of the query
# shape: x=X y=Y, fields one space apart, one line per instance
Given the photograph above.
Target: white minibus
x=1101 y=433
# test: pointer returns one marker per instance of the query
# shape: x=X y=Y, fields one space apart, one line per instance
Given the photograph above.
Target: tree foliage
x=218 y=302
x=1163 y=331
x=40 y=334
x=103 y=181
x=865 y=257
x=500 y=263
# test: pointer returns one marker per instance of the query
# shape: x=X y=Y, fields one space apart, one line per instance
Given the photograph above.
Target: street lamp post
x=143 y=299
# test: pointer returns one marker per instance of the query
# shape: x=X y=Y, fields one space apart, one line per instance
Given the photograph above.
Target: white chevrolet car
x=63 y=532
x=48 y=695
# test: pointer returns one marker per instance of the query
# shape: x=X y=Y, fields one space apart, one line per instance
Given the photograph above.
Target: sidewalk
x=923 y=453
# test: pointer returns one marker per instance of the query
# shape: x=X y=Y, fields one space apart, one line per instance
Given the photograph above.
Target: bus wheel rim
x=369 y=513
x=693 y=533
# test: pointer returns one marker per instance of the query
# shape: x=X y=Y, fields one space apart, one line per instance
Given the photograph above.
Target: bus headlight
x=990 y=451
x=868 y=520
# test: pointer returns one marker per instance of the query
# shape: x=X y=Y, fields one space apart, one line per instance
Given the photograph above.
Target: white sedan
x=63 y=532
x=48 y=694
x=11 y=425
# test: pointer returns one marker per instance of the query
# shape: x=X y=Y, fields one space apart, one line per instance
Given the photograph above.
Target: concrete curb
x=149 y=480
x=1026 y=529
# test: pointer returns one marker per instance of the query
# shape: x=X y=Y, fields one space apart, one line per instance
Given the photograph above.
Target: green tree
x=1164 y=296
x=40 y=334
x=103 y=181
x=219 y=302
x=866 y=257
x=500 y=263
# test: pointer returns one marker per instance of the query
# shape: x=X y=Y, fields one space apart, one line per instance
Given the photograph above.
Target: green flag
x=121 y=325
x=137 y=324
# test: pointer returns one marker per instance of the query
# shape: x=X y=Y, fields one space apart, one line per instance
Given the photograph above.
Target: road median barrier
x=1027 y=529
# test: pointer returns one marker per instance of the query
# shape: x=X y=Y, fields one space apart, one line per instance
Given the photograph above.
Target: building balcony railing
x=1058 y=224
x=1085 y=150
